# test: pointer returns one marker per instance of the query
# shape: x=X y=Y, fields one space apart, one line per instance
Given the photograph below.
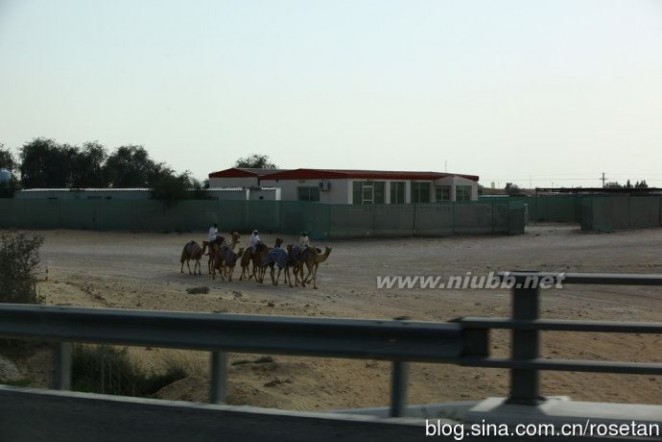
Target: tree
x=89 y=166
x=170 y=189
x=256 y=161
x=512 y=189
x=39 y=163
x=641 y=185
x=6 y=159
x=19 y=257
x=131 y=166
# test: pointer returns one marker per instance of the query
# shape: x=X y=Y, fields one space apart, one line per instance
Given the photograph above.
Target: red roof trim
x=244 y=172
x=232 y=173
x=329 y=174
x=316 y=174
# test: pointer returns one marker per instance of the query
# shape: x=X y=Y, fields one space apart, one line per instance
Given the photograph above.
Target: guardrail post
x=62 y=362
x=399 y=380
x=218 y=389
x=524 y=383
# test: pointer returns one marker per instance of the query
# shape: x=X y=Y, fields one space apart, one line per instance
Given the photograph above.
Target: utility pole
x=603 y=179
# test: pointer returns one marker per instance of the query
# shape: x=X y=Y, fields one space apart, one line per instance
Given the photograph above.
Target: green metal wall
x=322 y=221
x=561 y=208
x=610 y=213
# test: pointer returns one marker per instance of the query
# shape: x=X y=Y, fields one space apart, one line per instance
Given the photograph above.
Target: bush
x=19 y=257
x=109 y=370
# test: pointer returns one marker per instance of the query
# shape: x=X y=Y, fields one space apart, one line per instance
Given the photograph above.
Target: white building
x=353 y=186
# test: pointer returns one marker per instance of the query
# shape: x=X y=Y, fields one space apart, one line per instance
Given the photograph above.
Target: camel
x=312 y=258
x=261 y=258
x=257 y=257
x=192 y=251
x=225 y=260
x=216 y=244
x=295 y=259
x=277 y=257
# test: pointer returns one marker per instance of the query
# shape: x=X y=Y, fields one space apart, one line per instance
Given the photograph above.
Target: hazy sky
x=533 y=92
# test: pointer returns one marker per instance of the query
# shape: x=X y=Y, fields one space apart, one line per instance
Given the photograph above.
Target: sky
x=537 y=93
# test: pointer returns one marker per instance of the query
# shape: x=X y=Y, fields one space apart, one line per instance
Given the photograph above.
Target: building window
x=442 y=193
x=368 y=192
x=462 y=193
x=311 y=193
x=420 y=192
x=397 y=192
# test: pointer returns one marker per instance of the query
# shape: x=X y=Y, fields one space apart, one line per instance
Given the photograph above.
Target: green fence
x=322 y=221
x=601 y=213
x=549 y=208
x=610 y=213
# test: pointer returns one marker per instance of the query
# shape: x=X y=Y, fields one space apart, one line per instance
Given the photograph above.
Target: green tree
x=6 y=159
x=170 y=189
x=89 y=166
x=39 y=163
x=513 y=189
x=256 y=161
x=131 y=166
x=19 y=257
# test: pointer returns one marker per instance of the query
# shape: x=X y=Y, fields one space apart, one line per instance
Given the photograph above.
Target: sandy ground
x=142 y=271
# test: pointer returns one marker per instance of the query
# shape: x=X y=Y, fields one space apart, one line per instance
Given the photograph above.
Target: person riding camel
x=254 y=240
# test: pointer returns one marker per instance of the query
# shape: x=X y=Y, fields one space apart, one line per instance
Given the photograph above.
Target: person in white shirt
x=254 y=240
x=213 y=232
x=304 y=241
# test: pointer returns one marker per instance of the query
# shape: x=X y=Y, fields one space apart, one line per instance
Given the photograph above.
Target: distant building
x=226 y=193
x=334 y=186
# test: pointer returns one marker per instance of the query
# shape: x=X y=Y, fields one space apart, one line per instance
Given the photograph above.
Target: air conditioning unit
x=325 y=186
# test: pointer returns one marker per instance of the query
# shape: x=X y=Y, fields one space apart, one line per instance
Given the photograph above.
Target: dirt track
x=141 y=271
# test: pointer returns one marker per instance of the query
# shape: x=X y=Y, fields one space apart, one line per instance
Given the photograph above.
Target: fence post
x=218 y=389
x=399 y=380
x=62 y=374
x=524 y=383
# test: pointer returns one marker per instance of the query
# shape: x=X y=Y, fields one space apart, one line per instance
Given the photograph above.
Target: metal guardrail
x=219 y=333
x=464 y=341
x=526 y=325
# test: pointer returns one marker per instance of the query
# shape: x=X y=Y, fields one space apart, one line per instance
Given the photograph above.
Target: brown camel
x=277 y=257
x=224 y=261
x=295 y=261
x=192 y=251
x=312 y=258
x=256 y=257
x=260 y=261
x=218 y=243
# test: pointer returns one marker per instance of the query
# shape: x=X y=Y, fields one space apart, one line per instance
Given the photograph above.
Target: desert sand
x=142 y=271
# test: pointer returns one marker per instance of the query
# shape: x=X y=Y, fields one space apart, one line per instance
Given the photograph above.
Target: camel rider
x=254 y=240
x=213 y=232
x=304 y=241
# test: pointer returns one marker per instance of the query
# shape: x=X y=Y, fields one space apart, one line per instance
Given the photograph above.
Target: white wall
x=339 y=192
x=266 y=194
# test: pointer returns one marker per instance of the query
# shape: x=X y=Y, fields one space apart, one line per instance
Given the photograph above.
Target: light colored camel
x=312 y=258
x=192 y=251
